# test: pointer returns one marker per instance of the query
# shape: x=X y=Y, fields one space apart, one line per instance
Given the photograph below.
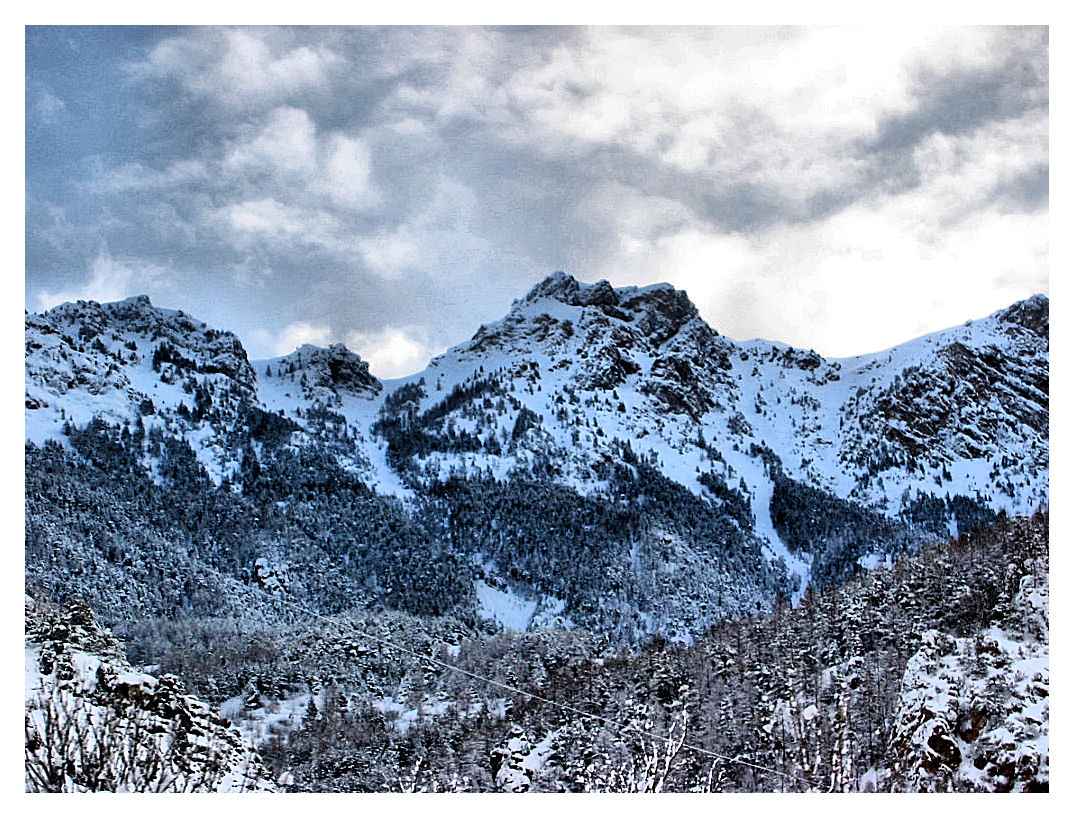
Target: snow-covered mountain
x=963 y=410
x=596 y=391
x=129 y=362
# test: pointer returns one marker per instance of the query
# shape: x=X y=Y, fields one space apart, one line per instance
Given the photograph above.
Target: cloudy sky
x=840 y=189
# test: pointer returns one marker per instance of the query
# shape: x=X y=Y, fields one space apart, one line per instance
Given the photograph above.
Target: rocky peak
x=661 y=309
x=559 y=285
x=134 y=304
x=600 y=294
x=568 y=290
x=136 y=313
x=658 y=311
x=334 y=367
x=1032 y=313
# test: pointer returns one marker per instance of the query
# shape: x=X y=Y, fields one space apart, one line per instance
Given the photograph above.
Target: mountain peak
x=657 y=312
x=1031 y=313
x=566 y=289
x=135 y=300
x=333 y=367
x=559 y=285
x=139 y=303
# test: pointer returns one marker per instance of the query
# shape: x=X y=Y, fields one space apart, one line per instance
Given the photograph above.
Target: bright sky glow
x=843 y=189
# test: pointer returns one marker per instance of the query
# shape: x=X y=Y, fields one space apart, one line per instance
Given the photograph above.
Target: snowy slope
x=575 y=379
x=93 y=723
x=129 y=362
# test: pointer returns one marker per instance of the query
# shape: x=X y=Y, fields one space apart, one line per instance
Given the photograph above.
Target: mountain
x=599 y=365
x=129 y=360
x=599 y=457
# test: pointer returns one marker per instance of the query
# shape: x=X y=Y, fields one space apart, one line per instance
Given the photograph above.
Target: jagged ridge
x=585 y=386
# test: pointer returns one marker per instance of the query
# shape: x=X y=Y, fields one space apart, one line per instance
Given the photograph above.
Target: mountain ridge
x=596 y=392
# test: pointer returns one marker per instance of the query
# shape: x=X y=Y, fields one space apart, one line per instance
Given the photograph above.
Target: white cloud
x=285 y=146
x=617 y=209
x=288 y=151
x=240 y=68
x=445 y=228
x=757 y=106
x=345 y=173
x=390 y=254
x=271 y=225
x=961 y=172
x=265 y=216
x=321 y=177
x=894 y=280
x=49 y=108
x=873 y=275
x=291 y=337
x=392 y=352
x=110 y=280
x=137 y=177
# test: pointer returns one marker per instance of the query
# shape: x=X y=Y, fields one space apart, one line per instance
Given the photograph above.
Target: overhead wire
x=620 y=727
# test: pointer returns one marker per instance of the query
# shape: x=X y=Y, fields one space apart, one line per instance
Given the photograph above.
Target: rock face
x=966 y=400
x=95 y=724
x=583 y=388
x=973 y=712
x=326 y=373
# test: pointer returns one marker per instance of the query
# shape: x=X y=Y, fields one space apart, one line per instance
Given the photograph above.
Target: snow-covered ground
x=504 y=607
x=95 y=701
x=977 y=708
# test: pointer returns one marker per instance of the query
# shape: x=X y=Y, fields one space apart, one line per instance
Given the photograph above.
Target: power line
x=617 y=725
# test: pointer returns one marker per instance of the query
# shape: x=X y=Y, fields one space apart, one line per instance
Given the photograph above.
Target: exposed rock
x=93 y=723
x=973 y=712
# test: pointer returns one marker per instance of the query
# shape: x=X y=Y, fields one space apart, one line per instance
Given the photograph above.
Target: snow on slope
x=507 y=608
x=94 y=723
x=129 y=362
x=973 y=713
x=961 y=411
x=335 y=379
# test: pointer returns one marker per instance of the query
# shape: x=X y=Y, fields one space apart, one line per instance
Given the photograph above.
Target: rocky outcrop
x=326 y=373
x=93 y=723
x=972 y=714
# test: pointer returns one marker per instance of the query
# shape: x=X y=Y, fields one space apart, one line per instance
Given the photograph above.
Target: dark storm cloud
x=408 y=183
x=1026 y=193
x=966 y=100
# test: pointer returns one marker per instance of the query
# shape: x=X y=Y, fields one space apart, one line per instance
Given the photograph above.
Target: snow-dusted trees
x=75 y=745
x=93 y=724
